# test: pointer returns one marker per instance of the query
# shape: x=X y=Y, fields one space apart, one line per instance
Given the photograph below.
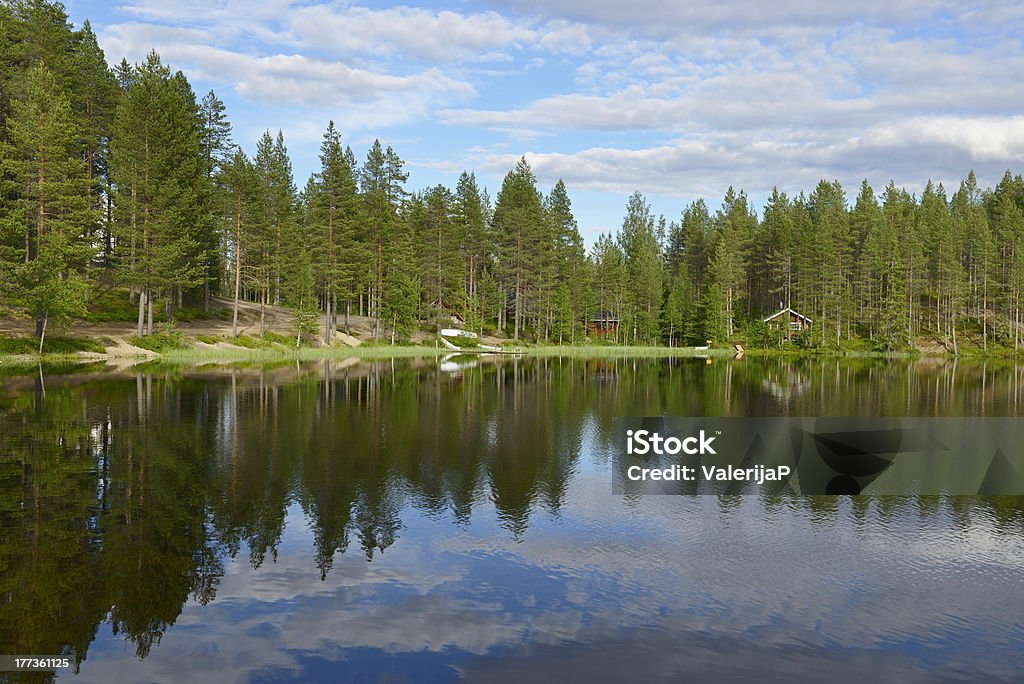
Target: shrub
x=166 y=338
x=52 y=345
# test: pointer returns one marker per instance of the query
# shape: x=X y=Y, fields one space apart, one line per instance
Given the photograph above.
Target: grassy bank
x=173 y=348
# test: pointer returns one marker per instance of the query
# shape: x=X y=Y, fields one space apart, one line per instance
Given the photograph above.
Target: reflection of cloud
x=665 y=585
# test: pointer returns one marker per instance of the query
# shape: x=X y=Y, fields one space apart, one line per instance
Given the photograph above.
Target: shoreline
x=131 y=356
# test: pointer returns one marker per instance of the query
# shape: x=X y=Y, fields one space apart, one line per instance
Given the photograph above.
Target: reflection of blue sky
x=671 y=584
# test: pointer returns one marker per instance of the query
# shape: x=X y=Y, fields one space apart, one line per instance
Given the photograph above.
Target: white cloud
x=674 y=98
x=363 y=96
x=411 y=32
x=666 y=18
x=912 y=151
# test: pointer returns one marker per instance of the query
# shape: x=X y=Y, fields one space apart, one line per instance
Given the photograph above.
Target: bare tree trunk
x=515 y=336
x=142 y=310
x=263 y=312
x=327 y=317
x=42 y=332
x=334 y=312
x=149 y=314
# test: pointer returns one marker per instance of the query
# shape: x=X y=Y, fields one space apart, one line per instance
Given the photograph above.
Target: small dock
x=477 y=348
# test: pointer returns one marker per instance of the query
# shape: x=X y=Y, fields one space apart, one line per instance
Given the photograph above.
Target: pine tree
x=830 y=222
x=517 y=225
x=54 y=201
x=164 y=194
x=570 y=263
x=609 y=289
x=217 y=152
x=727 y=269
x=333 y=224
x=778 y=249
x=382 y=179
x=94 y=90
x=216 y=134
x=642 y=251
x=873 y=246
x=440 y=264
x=469 y=216
x=240 y=192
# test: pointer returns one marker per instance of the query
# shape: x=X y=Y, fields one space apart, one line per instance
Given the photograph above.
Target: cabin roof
x=799 y=315
x=604 y=316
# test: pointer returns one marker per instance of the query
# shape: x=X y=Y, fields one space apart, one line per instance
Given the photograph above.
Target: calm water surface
x=428 y=521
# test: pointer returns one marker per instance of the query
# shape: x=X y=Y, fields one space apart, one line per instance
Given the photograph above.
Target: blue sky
x=673 y=99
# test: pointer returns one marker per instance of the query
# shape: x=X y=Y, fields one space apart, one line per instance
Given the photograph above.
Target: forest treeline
x=124 y=176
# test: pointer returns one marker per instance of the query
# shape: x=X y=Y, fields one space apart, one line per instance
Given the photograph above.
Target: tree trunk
x=142 y=311
x=149 y=314
x=327 y=317
x=517 y=309
x=238 y=271
x=42 y=331
x=263 y=312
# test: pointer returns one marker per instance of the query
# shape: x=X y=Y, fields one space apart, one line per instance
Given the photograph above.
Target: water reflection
x=242 y=506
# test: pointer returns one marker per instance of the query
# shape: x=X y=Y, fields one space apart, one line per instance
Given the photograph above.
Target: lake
x=431 y=520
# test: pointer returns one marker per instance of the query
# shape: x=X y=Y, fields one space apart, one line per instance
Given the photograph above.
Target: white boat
x=455 y=332
x=476 y=349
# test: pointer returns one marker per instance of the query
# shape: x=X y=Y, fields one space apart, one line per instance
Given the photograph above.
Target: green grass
x=277 y=353
x=165 y=339
x=275 y=338
x=110 y=304
x=52 y=345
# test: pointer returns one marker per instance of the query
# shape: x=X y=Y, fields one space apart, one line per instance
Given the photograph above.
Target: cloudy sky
x=675 y=100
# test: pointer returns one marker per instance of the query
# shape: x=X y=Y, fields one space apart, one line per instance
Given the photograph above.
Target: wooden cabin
x=604 y=324
x=794 y=321
x=450 y=312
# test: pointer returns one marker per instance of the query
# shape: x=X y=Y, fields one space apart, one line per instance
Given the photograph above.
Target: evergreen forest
x=122 y=179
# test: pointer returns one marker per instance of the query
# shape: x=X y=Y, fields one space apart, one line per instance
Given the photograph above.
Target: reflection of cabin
x=794 y=321
x=603 y=324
